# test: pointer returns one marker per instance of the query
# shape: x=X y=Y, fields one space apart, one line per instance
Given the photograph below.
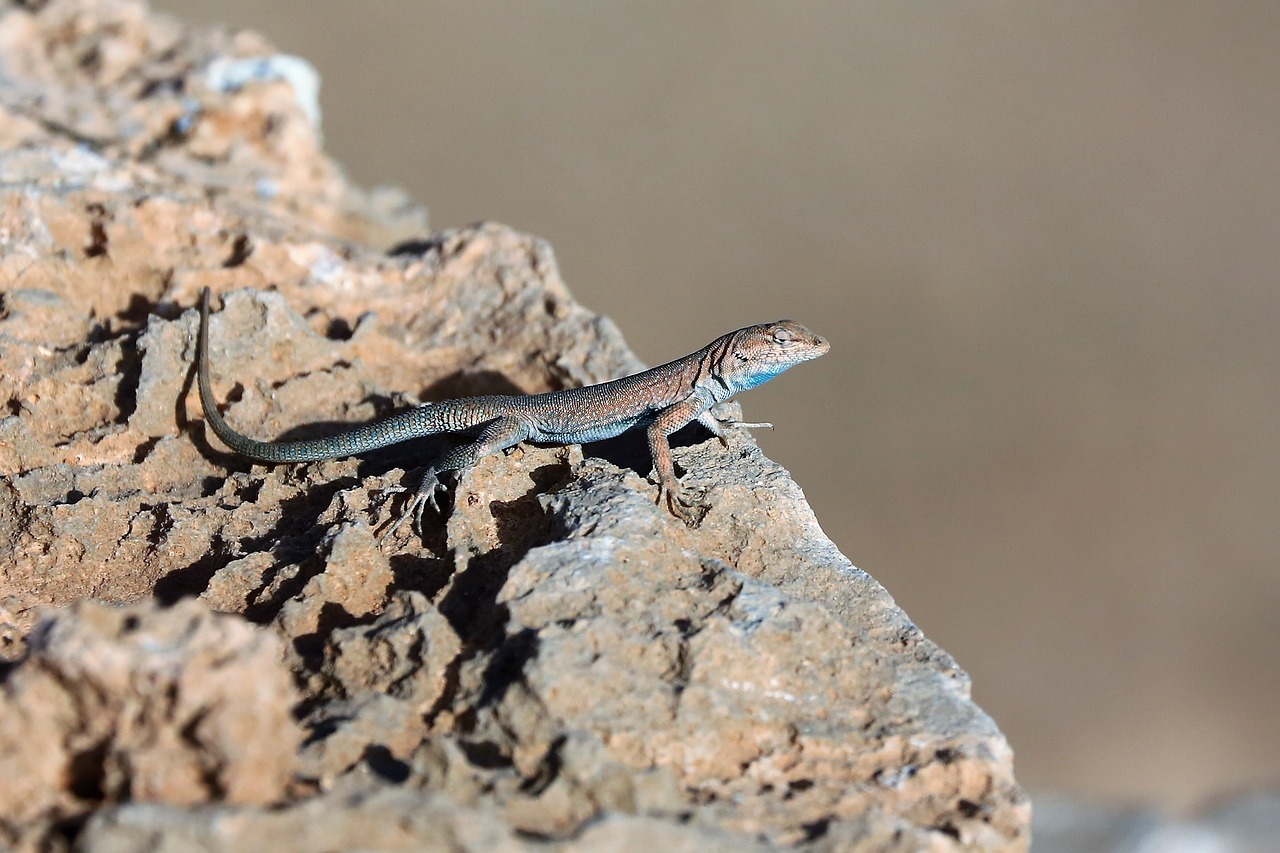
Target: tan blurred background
x=1044 y=240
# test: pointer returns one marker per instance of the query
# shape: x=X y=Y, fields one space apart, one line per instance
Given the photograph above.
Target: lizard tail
x=397 y=428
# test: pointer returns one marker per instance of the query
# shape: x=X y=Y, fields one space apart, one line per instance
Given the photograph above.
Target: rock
x=380 y=684
x=762 y=698
x=140 y=703
x=560 y=660
x=379 y=818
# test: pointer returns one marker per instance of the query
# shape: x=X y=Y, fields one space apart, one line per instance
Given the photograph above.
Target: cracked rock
x=143 y=704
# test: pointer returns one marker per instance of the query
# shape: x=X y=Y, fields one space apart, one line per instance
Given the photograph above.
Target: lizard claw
x=416 y=507
x=425 y=496
x=681 y=510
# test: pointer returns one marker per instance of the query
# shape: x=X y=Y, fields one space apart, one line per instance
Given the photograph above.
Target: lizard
x=659 y=400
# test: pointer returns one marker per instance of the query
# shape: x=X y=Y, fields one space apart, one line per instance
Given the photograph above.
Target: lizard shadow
x=631 y=450
x=294 y=538
x=520 y=526
x=470 y=602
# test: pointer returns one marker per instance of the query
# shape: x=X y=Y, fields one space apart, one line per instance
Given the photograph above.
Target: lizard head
x=756 y=354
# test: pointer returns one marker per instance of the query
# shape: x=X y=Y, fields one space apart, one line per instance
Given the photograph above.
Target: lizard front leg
x=668 y=421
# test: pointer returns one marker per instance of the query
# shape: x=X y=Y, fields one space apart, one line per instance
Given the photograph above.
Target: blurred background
x=1044 y=240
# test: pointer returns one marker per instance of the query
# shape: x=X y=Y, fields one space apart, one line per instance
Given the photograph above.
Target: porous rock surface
x=560 y=665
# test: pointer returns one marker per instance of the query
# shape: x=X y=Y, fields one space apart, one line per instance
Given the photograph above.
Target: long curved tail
x=403 y=426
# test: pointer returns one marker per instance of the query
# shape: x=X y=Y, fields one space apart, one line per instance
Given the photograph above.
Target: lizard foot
x=417 y=505
x=687 y=513
x=722 y=432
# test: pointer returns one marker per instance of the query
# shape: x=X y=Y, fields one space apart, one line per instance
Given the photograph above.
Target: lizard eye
x=783 y=336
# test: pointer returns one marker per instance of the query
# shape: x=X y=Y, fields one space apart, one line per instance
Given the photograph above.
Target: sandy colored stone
x=147 y=704
x=381 y=683
x=558 y=658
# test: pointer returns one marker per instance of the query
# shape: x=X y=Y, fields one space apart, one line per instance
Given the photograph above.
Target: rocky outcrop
x=561 y=664
x=178 y=706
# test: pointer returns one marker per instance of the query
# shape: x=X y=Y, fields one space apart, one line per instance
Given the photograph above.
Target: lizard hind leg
x=499 y=434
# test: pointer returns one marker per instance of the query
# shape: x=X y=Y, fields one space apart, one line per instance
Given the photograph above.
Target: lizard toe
x=421 y=501
x=392 y=528
x=686 y=512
